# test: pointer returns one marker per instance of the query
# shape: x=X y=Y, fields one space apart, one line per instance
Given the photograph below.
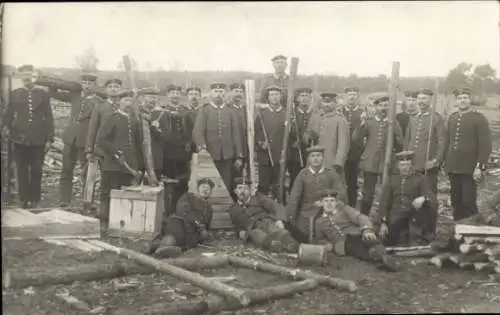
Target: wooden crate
x=136 y=211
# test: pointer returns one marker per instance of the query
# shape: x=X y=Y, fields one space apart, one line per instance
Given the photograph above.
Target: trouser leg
x=66 y=182
x=399 y=226
x=22 y=158
x=82 y=159
x=265 y=179
x=369 y=184
x=36 y=170
x=455 y=195
x=469 y=195
x=351 y=171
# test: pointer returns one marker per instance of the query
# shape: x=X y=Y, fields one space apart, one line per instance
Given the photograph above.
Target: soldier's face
x=242 y=192
x=404 y=167
x=149 y=100
x=463 y=101
x=217 y=94
x=174 y=96
x=315 y=159
x=126 y=103
x=382 y=107
x=274 y=97
x=424 y=101
x=329 y=204
x=87 y=85
x=113 y=88
x=352 y=97
x=194 y=96
x=328 y=105
x=411 y=104
x=280 y=65
x=304 y=99
x=205 y=190
x=238 y=94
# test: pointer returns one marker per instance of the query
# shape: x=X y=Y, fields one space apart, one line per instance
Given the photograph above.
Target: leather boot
x=258 y=237
x=383 y=260
x=289 y=243
x=167 y=248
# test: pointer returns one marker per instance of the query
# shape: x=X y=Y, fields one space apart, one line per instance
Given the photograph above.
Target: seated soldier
x=345 y=231
x=260 y=219
x=188 y=226
x=491 y=209
x=406 y=203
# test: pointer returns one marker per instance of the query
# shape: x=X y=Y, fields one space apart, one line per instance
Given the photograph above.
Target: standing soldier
x=237 y=95
x=298 y=134
x=194 y=97
x=469 y=146
x=177 y=146
x=410 y=109
x=372 y=161
x=330 y=130
x=216 y=131
x=279 y=78
x=74 y=137
x=269 y=133
x=30 y=125
x=352 y=111
x=120 y=139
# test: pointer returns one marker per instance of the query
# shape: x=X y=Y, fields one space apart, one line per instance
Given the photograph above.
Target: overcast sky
x=428 y=38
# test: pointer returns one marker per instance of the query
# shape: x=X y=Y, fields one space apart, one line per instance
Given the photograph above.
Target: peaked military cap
x=329 y=193
x=218 y=85
x=273 y=88
x=114 y=80
x=193 y=87
x=463 y=90
x=125 y=93
x=149 y=91
x=242 y=181
x=412 y=94
x=316 y=148
x=328 y=95
x=237 y=85
x=87 y=76
x=26 y=68
x=303 y=90
x=425 y=91
x=380 y=98
x=277 y=57
x=351 y=89
x=207 y=181
x=405 y=155
x=173 y=87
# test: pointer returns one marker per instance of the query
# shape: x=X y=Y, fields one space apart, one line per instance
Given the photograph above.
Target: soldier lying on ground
x=345 y=231
x=188 y=226
x=405 y=203
x=260 y=219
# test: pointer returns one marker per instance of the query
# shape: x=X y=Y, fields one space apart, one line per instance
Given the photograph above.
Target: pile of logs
x=471 y=248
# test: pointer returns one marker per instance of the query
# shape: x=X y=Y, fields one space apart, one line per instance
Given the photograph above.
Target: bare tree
x=88 y=59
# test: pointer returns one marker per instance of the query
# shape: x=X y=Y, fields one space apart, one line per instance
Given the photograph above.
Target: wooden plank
x=464 y=229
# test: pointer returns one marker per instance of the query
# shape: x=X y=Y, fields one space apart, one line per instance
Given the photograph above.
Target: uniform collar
x=413 y=113
x=351 y=109
x=121 y=112
x=238 y=106
x=465 y=111
x=424 y=114
x=274 y=110
x=280 y=77
x=217 y=107
x=377 y=118
x=244 y=203
x=307 y=111
x=321 y=170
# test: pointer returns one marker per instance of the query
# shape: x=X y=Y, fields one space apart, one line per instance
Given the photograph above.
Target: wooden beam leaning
x=250 y=116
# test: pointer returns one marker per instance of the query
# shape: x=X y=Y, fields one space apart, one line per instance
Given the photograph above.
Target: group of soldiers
x=328 y=147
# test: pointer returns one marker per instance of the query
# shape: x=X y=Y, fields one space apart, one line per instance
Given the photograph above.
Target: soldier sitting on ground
x=345 y=231
x=188 y=226
x=260 y=219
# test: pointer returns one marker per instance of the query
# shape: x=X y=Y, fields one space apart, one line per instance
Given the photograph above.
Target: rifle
x=266 y=138
x=431 y=122
x=301 y=158
x=289 y=108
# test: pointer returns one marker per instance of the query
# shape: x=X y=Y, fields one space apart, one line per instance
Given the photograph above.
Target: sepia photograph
x=281 y=158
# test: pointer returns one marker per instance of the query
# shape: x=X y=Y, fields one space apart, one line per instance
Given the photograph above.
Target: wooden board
x=24 y=224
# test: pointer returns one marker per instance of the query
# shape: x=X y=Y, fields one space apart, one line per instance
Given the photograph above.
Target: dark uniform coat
x=245 y=215
x=354 y=118
x=177 y=125
x=417 y=138
x=274 y=122
x=302 y=117
x=29 y=117
x=241 y=114
x=403 y=119
x=216 y=128
x=468 y=141
x=99 y=116
x=158 y=135
x=121 y=132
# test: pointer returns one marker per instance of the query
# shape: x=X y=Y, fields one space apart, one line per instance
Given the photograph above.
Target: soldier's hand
x=368 y=235
x=477 y=175
x=265 y=145
x=318 y=204
x=295 y=145
x=418 y=202
x=155 y=124
x=243 y=235
x=383 y=231
x=431 y=164
x=90 y=157
x=279 y=224
x=238 y=163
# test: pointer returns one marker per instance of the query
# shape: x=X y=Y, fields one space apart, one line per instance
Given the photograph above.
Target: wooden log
x=74 y=302
x=468 y=248
x=484 y=267
x=472 y=258
x=183 y=308
x=455 y=258
x=497 y=268
x=492 y=251
x=293 y=273
x=442 y=260
x=194 y=278
x=466 y=265
x=424 y=252
x=464 y=229
x=406 y=248
x=312 y=255
x=479 y=239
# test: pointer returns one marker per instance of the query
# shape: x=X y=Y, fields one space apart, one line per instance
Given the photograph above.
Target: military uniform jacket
x=217 y=129
x=121 y=132
x=274 y=124
x=332 y=131
x=307 y=189
x=29 y=117
x=302 y=121
x=195 y=212
x=81 y=110
x=177 y=128
x=99 y=116
x=375 y=132
x=468 y=141
x=333 y=226
x=241 y=114
x=245 y=215
x=272 y=79
x=354 y=117
x=400 y=193
x=417 y=138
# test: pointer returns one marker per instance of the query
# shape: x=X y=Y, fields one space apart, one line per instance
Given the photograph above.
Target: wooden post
x=431 y=125
x=250 y=111
x=288 y=122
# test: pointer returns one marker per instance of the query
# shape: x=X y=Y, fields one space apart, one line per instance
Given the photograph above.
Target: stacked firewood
x=471 y=247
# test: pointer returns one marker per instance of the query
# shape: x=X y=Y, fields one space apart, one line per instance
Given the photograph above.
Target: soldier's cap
x=149 y=91
x=218 y=85
x=273 y=88
x=125 y=93
x=328 y=95
x=316 y=148
x=237 y=85
x=351 y=89
x=91 y=77
x=114 y=80
x=242 y=181
x=26 y=68
x=329 y=193
x=463 y=90
x=207 y=181
x=425 y=91
x=412 y=94
x=193 y=88
x=380 y=98
x=300 y=90
x=405 y=155
x=173 y=87
x=278 y=57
